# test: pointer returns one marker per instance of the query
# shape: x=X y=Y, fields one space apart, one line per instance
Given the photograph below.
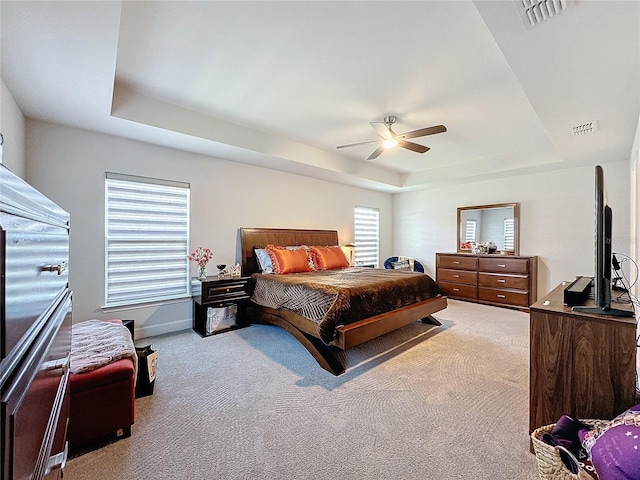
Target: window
x=470 y=230
x=367 y=227
x=508 y=233
x=147 y=240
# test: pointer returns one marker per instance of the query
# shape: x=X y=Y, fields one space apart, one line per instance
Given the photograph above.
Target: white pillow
x=264 y=260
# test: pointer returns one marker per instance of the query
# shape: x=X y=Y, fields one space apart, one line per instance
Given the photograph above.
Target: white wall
x=556 y=218
x=635 y=202
x=12 y=127
x=68 y=165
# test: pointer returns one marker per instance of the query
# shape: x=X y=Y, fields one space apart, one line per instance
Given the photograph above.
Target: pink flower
x=201 y=256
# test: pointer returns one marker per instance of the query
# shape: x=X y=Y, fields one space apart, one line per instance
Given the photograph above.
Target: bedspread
x=338 y=297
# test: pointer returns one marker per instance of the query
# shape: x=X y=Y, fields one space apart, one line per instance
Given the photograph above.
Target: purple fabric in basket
x=567 y=433
x=615 y=449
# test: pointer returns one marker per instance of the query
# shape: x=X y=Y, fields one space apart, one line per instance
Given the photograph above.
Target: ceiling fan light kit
x=390 y=139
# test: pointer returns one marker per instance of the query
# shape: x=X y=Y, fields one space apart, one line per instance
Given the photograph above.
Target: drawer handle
x=502 y=265
x=456 y=262
x=456 y=276
x=500 y=280
x=59 y=460
x=501 y=296
x=61 y=267
x=456 y=289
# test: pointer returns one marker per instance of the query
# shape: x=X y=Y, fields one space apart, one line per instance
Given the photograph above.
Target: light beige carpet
x=447 y=402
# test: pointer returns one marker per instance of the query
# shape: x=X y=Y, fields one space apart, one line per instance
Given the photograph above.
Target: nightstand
x=221 y=305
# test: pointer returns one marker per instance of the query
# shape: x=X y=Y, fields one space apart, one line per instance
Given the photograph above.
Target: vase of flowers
x=201 y=256
x=201 y=273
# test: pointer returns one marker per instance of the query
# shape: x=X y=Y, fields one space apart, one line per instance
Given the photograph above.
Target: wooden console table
x=581 y=364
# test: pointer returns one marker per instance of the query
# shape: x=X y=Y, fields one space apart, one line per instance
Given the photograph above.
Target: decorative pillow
x=312 y=265
x=289 y=261
x=264 y=260
x=615 y=449
x=401 y=265
x=328 y=258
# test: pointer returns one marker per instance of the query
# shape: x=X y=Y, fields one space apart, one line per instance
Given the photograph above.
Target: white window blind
x=508 y=234
x=366 y=231
x=470 y=231
x=147 y=240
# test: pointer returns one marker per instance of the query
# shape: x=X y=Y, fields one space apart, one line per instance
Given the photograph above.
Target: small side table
x=218 y=293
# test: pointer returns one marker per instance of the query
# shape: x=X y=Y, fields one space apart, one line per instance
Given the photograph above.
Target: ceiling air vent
x=585 y=128
x=533 y=12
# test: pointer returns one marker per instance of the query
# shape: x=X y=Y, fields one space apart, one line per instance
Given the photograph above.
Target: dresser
x=502 y=280
x=581 y=364
x=35 y=331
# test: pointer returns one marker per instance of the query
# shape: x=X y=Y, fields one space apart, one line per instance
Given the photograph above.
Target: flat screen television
x=603 y=254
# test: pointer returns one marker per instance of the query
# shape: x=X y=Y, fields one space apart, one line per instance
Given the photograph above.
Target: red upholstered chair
x=101 y=403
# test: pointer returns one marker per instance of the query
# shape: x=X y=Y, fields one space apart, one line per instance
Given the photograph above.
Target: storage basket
x=550 y=465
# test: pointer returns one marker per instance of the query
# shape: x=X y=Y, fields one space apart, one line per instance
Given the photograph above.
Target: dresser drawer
x=35 y=270
x=457 y=276
x=507 y=297
x=459 y=290
x=495 y=280
x=502 y=264
x=457 y=262
x=35 y=401
x=224 y=291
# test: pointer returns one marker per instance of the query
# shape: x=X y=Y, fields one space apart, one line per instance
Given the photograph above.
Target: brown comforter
x=338 y=297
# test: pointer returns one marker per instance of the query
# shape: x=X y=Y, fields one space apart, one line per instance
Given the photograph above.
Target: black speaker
x=578 y=292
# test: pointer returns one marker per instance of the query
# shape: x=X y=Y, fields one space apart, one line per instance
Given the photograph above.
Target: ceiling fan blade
x=413 y=146
x=359 y=143
x=423 y=132
x=382 y=129
x=376 y=153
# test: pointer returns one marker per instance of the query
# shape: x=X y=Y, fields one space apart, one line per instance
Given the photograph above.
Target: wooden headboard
x=251 y=238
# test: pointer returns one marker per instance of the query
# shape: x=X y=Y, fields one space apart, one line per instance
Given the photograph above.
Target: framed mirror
x=489 y=229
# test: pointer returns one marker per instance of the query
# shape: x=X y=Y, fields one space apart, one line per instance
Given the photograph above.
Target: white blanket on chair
x=95 y=343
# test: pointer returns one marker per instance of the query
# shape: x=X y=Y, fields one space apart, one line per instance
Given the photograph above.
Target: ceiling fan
x=391 y=139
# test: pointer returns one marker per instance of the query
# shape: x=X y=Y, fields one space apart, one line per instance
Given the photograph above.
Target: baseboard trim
x=169 y=327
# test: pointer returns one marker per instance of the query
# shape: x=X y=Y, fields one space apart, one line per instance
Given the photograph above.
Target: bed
x=350 y=329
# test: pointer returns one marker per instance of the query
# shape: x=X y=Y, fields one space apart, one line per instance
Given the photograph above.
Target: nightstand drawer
x=223 y=291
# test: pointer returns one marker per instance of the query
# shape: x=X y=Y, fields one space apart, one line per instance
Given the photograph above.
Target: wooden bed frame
x=306 y=331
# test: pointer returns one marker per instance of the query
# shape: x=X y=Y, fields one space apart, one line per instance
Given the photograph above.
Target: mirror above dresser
x=489 y=229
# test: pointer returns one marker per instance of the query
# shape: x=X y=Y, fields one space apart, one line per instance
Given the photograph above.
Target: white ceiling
x=281 y=84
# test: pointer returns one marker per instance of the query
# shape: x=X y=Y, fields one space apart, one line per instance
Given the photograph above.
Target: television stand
x=582 y=364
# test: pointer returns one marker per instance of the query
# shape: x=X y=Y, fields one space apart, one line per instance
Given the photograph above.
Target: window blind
x=470 y=231
x=508 y=234
x=367 y=235
x=147 y=240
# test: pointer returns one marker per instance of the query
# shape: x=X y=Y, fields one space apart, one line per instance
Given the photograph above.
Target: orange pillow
x=288 y=261
x=328 y=258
